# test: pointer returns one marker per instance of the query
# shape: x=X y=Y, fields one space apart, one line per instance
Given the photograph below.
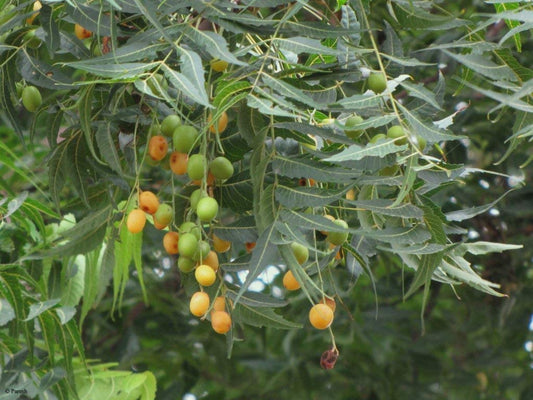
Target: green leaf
x=387 y=207
x=251 y=124
x=6 y=312
x=304 y=167
x=483 y=66
x=481 y=248
x=355 y=152
x=182 y=83
x=40 y=307
x=357 y=102
x=255 y=299
x=299 y=45
x=107 y=147
x=213 y=43
x=51 y=29
x=297 y=197
x=288 y=90
x=42 y=74
x=461 y=215
x=261 y=317
x=241 y=231
x=419 y=91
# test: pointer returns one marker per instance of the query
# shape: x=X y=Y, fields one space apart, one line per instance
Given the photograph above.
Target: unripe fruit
x=220 y=245
x=221 y=168
x=169 y=125
x=218 y=65
x=290 y=282
x=195 y=198
x=82 y=33
x=331 y=218
x=350 y=122
x=170 y=242
x=338 y=238
x=190 y=227
x=184 y=138
x=300 y=252
x=421 y=142
x=148 y=202
x=219 y=304
x=136 y=221
x=186 y=265
x=202 y=250
x=164 y=214
x=187 y=245
x=205 y=275
x=31 y=98
x=321 y=316
x=196 y=166
x=377 y=82
x=157 y=147
x=207 y=209
x=212 y=260
x=220 y=321
x=220 y=125
x=375 y=138
x=199 y=303
x=397 y=132
x=178 y=162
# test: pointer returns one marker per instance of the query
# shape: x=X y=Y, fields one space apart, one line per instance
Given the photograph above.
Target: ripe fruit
x=178 y=162
x=31 y=98
x=170 y=242
x=221 y=124
x=184 y=138
x=148 y=202
x=205 y=275
x=338 y=238
x=36 y=7
x=163 y=215
x=157 y=147
x=220 y=321
x=350 y=122
x=202 y=250
x=331 y=218
x=169 y=125
x=82 y=33
x=321 y=316
x=290 y=282
x=218 y=65
x=187 y=245
x=136 y=221
x=330 y=303
x=300 y=252
x=397 y=132
x=219 y=304
x=207 y=209
x=212 y=260
x=377 y=82
x=249 y=246
x=220 y=245
x=350 y=194
x=199 y=303
x=221 y=168
x=185 y=264
x=196 y=166
x=375 y=138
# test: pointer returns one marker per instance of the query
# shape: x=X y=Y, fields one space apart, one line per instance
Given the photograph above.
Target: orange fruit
x=157 y=147
x=148 y=202
x=321 y=316
x=249 y=246
x=290 y=282
x=220 y=321
x=136 y=221
x=178 y=162
x=82 y=33
x=221 y=123
x=220 y=245
x=170 y=242
x=330 y=303
x=212 y=260
x=219 y=304
x=199 y=304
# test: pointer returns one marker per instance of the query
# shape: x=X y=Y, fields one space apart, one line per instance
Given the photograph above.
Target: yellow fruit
x=219 y=304
x=220 y=321
x=148 y=202
x=321 y=316
x=221 y=124
x=36 y=7
x=205 y=275
x=136 y=221
x=199 y=303
x=219 y=65
x=290 y=282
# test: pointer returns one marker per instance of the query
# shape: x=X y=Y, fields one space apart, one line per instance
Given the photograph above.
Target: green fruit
x=31 y=40
x=389 y=171
x=164 y=214
x=201 y=251
x=219 y=65
x=300 y=252
x=184 y=138
x=338 y=238
x=207 y=209
x=350 y=122
x=397 y=132
x=186 y=264
x=157 y=84
x=169 y=125
x=421 y=142
x=221 y=168
x=187 y=245
x=190 y=227
x=196 y=166
x=377 y=82
x=195 y=197
x=375 y=138
x=31 y=98
x=154 y=130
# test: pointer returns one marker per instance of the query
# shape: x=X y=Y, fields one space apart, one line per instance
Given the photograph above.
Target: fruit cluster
x=173 y=142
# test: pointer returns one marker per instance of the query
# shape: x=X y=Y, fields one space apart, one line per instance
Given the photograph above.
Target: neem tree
x=310 y=136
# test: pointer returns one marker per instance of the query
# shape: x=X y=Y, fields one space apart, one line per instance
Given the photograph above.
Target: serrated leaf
x=261 y=317
x=309 y=221
x=304 y=167
x=182 y=83
x=419 y=91
x=483 y=66
x=408 y=181
x=251 y=124
x=107 y=147
x=124 y=71
x=355 y=152
x=243 y=230
x=468 y=213
x=73 y=281
x=6 y=312
x=40 y=307
x=299 y=45
x=386 y=207
x=52 y=38
x=357 y=102
x=213 y=43
x=42 y=74
x=429 y=132
x=255 y=299
x=285 y=89
x=90 y=18
x=481 y=248
x=297 y=197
